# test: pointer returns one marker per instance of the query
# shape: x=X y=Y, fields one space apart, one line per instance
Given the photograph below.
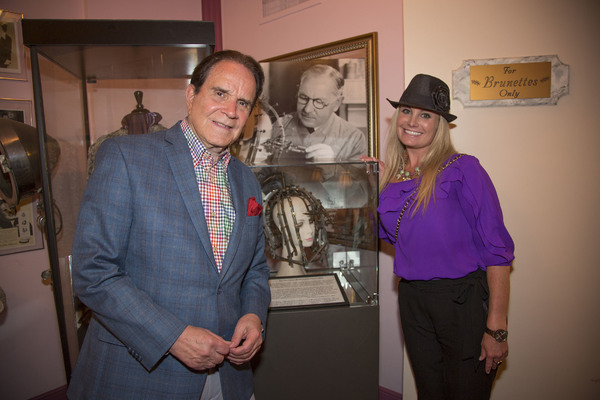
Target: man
x=169 y=252
x=315 y=127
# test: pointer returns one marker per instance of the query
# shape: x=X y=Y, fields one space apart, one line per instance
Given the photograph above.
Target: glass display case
x=85 y=76
x=308 y=315
x=321 y=219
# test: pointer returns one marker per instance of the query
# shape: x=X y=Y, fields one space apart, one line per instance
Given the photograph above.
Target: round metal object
x=19 y=161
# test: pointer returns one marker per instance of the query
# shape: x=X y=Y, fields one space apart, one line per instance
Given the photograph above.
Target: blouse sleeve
x=480 y=203
x=383 y=235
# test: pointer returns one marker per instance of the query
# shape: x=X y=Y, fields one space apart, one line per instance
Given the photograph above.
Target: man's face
x=320 y=88
x=218 y=112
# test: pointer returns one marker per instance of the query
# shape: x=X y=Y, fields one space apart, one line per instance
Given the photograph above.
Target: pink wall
x=143 y=9
x=29 y=340
x=245 y=30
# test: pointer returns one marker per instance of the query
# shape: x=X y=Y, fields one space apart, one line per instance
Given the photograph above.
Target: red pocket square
x=254 y=208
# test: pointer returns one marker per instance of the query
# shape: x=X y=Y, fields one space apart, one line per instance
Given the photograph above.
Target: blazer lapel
x=237 y=193
x=176 y=148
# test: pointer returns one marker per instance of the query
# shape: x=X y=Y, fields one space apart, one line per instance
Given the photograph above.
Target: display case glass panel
x=86 y=75
x=321 y=219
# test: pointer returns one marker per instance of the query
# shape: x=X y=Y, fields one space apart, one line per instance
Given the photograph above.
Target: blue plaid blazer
x=143 y=263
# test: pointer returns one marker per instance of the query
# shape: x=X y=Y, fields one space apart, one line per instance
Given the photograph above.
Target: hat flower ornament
x=441 y=99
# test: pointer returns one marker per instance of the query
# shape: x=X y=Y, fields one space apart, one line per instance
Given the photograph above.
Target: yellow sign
x=511 y=81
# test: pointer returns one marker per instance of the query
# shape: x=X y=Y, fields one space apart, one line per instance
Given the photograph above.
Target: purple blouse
x=461 y=231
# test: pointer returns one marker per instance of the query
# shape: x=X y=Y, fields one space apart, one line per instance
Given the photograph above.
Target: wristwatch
x=499 y=335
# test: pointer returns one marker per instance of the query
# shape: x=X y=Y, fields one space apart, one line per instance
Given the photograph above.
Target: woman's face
x=416 y=127
x=304 y=223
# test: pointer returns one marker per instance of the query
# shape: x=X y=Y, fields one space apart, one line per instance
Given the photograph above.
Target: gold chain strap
x=412 y=195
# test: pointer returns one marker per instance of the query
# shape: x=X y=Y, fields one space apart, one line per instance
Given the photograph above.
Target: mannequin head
x=295 y=224
x=294 y=227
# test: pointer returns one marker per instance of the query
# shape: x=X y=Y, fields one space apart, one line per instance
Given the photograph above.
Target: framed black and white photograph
x=319 y=105
x=17 y=110
x=12 y=61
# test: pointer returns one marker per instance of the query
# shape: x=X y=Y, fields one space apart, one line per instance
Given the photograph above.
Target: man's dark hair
x=203 y=69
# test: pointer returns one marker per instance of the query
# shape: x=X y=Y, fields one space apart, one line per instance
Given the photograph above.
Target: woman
x=440 y=211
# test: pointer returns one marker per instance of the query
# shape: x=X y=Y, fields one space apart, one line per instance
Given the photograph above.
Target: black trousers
x=443 y=322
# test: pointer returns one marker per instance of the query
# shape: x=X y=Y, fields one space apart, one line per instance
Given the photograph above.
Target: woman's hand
x=492 y=352
x=381 y=163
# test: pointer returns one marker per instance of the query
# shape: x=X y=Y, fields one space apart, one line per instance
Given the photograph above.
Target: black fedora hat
x=428 y=93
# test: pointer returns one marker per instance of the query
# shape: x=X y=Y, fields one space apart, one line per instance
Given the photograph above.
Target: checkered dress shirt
x=211 y=176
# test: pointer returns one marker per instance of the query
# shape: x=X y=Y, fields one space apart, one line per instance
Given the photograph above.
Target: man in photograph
x=5 y=47
x=315 y=129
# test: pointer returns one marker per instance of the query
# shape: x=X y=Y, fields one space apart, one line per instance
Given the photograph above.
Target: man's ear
x=339 y=101
x=190 y=93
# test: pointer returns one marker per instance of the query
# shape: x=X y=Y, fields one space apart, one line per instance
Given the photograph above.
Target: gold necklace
x=406 y=175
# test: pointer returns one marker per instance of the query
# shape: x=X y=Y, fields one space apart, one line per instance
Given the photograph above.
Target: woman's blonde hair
x=439 y=151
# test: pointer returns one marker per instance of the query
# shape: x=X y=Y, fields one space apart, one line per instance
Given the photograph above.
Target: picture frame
x=19 y=232
x=12 y=51
x=355 y=58
x=272 y=10
x=17 y=110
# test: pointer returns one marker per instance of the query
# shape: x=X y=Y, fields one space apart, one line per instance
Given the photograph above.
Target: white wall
x=329 y=21
x=544 y=162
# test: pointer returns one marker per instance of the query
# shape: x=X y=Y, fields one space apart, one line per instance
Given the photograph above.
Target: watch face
x=500 y=335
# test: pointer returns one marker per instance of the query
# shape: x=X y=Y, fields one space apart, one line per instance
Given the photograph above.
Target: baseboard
x=387 y=394
x=61 y=394
x=56 y=394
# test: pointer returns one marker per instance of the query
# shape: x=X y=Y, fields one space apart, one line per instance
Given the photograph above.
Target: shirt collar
x=199 y=151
